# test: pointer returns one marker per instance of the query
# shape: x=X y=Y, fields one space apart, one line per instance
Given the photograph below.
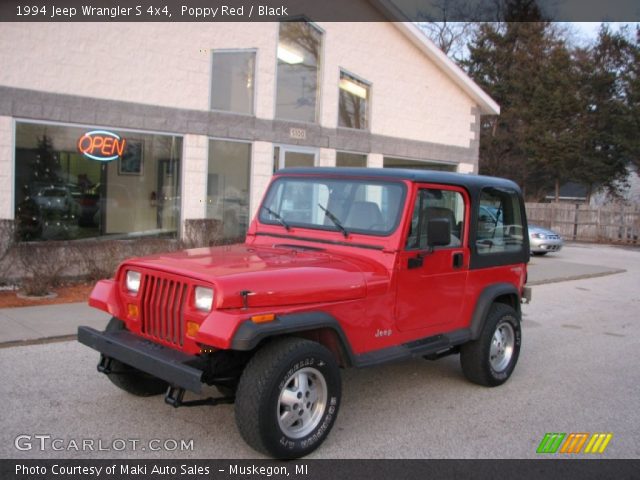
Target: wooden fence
x=583 y=222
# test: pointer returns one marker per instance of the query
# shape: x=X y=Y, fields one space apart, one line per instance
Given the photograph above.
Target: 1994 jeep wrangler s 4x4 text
x=340 y=267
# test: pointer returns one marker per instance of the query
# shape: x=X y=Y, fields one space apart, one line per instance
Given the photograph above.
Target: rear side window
x=499 y=222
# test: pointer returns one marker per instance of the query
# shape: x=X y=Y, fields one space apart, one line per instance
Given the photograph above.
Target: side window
x=436 y=203
x=499 y=227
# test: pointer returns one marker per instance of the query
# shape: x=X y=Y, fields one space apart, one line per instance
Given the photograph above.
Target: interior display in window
x=74 y=182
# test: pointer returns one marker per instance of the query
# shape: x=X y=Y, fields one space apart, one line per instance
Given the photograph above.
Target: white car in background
x=542 y=240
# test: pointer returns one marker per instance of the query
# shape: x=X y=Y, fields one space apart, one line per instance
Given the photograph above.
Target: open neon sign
x=101 y=145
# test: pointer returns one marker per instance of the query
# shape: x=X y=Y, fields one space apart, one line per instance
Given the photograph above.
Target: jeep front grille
x=162 y=303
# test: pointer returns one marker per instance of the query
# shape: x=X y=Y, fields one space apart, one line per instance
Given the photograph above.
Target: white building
x=205 y=112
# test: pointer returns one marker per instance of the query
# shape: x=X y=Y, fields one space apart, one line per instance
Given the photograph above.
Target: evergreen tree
x=46 y=166
x=526 y=67
x=608 y=129
x=566 y=114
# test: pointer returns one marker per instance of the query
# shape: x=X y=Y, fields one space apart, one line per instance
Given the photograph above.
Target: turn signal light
x=192 y=328
x=269 y=317
x=132 y=310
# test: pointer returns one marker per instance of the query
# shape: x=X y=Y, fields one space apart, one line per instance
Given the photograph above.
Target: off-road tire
x=131 y=379
x=269 y=376
x=478 y=363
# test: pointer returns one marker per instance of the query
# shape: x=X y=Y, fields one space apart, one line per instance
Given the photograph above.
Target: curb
x=38 y=341
x=575 y=277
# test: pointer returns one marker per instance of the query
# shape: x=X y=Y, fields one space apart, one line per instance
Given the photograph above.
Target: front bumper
x=162 y=362
x=545 y=245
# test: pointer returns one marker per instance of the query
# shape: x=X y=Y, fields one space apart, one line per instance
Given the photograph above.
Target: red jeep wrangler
x=340 y=267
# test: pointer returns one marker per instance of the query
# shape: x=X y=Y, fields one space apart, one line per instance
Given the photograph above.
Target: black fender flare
x=250 y=334
x=485 y=300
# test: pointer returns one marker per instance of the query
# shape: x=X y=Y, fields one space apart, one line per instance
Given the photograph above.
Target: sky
x=589 y=30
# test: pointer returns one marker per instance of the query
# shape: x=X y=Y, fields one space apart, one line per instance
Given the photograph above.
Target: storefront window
x=232 y=81
x=228 y=187
x=77 y=182
x=345 y=159
x=299 y=49
x=391 y=162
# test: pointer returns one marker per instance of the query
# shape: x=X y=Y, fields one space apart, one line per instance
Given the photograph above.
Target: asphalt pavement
x=578 y=372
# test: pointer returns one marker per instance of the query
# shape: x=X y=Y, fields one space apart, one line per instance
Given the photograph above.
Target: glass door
x=291 y=156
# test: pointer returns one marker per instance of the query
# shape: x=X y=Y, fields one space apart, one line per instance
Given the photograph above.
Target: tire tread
x=255 y=384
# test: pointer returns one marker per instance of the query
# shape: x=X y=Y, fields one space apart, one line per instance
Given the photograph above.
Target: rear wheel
x=490 y=359
x=131 y=379
x=288 y=398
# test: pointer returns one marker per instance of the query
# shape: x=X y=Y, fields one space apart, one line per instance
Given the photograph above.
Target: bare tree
x=448 y=24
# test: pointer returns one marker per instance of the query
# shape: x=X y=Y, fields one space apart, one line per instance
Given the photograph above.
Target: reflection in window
x=61 y=194
x=499 y=222
x=299 y=48
x=353 y=103
x=228 y=186
x=232 y=81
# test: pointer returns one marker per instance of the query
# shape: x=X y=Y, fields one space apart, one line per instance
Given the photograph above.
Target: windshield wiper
x=278 y=217
x=335 y=221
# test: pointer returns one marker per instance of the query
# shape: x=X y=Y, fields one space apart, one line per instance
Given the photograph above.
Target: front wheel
x=288 y=398
x=490 y=359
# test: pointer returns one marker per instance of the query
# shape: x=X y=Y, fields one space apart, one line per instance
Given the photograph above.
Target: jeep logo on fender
x=101 y=145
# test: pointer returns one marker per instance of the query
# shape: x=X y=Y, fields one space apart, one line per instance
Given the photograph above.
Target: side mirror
x=438 y=232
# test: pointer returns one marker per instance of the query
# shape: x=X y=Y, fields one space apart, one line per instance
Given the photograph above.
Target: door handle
x=458 y=260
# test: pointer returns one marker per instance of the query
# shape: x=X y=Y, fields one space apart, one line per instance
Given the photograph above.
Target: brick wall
x=194 y=176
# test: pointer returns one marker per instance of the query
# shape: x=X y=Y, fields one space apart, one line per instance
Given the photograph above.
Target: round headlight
x=133 y=281
x=204 y=298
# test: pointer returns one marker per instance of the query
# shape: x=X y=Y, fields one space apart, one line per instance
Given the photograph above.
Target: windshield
x=344 y=205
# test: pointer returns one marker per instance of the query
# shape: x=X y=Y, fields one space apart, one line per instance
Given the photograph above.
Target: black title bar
x=547 y=469
x=317 y=10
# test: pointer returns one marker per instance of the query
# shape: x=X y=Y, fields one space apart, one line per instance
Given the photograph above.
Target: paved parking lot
x=578 y=372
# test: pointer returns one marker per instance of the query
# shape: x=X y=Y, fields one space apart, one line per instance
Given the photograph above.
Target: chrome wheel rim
x=502 y=345
x=302 y=402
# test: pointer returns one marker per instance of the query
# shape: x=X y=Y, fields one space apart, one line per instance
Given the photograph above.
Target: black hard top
x=468 y=181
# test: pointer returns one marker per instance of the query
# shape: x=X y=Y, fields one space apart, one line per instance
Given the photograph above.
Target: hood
x=537 y=229
x=273 y=276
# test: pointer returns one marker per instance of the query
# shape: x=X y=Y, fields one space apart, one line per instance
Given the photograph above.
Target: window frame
x=368 y=110
x=320 y=68
x=348 y=152
x=254 y=98
x=494 y=259
x=465 y=218
x=250 y=179
x=16 y=121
